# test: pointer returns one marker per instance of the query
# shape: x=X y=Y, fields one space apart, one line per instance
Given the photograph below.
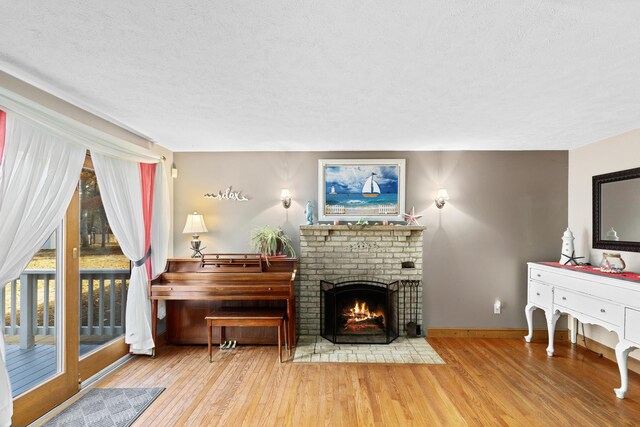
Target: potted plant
x=271 y=241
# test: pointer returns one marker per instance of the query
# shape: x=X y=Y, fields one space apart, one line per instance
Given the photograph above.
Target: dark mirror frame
x=598 y=181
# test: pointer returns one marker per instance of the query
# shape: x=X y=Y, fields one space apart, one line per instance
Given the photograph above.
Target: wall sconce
x=285 y=196
x=441 y=197
x=194 y=225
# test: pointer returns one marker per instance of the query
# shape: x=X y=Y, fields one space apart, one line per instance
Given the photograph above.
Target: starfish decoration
x=411 y=217
x=573 y=258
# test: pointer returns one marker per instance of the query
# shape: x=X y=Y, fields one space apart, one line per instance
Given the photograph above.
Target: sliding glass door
x=45 y=370
x=64 y=316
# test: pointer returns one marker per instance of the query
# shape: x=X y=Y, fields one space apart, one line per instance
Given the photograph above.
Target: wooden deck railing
x=31 y=304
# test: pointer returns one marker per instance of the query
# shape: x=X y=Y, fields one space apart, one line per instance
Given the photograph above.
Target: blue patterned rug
x=102 y=407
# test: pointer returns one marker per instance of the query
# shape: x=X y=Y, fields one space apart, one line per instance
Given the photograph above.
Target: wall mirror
x=616 y=211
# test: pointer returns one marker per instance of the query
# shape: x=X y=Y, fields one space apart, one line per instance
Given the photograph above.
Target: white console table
x=611 y=301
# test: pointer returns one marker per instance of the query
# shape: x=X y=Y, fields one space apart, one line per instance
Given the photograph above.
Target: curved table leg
x=528 y=311
x=552 y=318
x=622 y=351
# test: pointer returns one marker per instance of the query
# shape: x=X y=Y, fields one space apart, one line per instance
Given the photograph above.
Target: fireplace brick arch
x=359 y=311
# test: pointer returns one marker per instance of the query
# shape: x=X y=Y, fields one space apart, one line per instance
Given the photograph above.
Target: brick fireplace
x=337 y=253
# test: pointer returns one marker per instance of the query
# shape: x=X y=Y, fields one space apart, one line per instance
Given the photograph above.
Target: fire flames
x=360 y=312
x=361 y=319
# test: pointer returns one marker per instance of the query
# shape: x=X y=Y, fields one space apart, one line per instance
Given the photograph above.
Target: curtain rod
x=75 y=131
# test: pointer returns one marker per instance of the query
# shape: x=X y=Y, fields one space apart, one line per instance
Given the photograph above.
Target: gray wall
x=506 y=208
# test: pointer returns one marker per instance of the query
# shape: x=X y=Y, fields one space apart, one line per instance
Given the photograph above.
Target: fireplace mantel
x=345 y=227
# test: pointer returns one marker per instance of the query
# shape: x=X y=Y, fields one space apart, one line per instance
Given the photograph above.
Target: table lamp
x=195 y=225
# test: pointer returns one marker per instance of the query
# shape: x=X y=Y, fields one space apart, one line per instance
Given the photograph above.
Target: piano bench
x=247 y=316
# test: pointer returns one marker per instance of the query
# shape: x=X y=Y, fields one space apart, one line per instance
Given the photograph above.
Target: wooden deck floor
x=485 y=382
x=28 y=368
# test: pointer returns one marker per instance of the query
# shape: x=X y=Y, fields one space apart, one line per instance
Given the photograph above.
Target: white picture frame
x=342 y=194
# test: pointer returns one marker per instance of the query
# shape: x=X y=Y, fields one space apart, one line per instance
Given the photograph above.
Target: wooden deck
x=28 y=368
x=484 y=382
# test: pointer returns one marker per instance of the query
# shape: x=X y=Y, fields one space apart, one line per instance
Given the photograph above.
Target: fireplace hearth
x=359 y=311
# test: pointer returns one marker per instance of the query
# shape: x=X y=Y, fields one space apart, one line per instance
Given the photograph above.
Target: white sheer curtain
x=160 y=226
x=38 y=175
x=121 y=191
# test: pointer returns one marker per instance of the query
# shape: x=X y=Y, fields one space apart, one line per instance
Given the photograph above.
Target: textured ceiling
x=205 y=75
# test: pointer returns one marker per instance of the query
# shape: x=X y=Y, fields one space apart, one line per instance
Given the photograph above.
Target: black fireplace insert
x=359 y=311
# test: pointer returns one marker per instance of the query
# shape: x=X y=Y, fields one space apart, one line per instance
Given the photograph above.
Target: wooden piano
x=193 y=287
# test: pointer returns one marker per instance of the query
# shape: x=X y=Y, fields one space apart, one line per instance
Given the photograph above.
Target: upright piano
x=193 y=287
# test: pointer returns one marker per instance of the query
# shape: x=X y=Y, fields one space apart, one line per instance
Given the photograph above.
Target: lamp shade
x=285 y=194
x=195 y=224
x=442 y=194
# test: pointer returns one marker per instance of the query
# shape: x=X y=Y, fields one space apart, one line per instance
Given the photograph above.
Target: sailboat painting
x=354 y=189
x=370 y=187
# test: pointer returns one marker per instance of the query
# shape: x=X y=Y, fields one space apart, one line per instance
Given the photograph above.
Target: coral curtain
x=38 y=175
x=147 y=178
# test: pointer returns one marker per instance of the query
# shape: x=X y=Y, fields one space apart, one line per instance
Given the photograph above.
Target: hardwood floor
x=485 y=382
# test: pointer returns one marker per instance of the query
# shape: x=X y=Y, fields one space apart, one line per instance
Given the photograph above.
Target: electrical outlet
x=497 y=307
